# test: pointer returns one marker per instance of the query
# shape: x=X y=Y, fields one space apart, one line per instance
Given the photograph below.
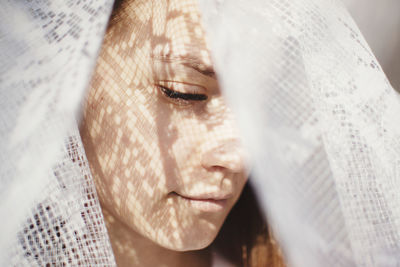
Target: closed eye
x=183 y=96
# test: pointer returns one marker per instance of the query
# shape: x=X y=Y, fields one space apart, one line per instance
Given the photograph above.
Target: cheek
x=129 y=155
x=186 y=149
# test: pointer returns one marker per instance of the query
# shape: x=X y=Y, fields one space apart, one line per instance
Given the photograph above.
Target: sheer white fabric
x=50 y=210
x=322 y=124
x=315 y=108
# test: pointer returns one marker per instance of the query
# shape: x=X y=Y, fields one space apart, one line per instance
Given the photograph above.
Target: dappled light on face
x=162 y=144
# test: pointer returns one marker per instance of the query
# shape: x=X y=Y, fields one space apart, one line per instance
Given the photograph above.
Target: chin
x=192 y=245
x=199 y=239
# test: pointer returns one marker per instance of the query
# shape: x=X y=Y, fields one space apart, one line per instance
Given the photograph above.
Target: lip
x=207 y=202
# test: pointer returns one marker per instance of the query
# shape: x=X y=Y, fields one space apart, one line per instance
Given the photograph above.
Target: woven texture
x=48 y=50
x=304 y=83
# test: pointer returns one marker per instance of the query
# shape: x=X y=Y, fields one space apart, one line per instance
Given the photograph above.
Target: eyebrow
x=191 y=62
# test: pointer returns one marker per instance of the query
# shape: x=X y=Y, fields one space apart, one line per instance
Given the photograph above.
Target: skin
x=167 y=170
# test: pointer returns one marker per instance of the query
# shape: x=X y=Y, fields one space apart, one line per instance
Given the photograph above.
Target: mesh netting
x=305 y=84
x=51 y=213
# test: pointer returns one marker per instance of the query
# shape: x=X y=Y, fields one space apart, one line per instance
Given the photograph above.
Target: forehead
x=173 y=27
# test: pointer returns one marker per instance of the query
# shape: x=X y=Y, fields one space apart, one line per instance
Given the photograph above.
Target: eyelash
x=178 y=96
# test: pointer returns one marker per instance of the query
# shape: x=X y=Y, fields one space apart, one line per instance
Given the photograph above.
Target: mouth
x=206 y=203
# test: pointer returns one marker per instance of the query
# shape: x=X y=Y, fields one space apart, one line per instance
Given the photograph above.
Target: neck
x=132 y=249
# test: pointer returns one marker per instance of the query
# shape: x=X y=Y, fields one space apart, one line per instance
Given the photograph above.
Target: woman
x=162 y=143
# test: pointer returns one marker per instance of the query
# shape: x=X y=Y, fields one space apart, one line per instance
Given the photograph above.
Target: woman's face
x=161 y=142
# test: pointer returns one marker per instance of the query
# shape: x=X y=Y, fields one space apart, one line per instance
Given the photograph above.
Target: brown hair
x=245 y=238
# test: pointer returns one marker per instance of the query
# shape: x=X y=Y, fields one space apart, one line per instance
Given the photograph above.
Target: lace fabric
x=48 y=200
x=310 y=90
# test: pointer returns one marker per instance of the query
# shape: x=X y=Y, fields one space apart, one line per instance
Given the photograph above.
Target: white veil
x=50 y=210
x=306 y=86
x=315 y=109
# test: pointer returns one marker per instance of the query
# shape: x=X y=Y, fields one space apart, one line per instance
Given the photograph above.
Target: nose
x=225 y=154
x=221 y=146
